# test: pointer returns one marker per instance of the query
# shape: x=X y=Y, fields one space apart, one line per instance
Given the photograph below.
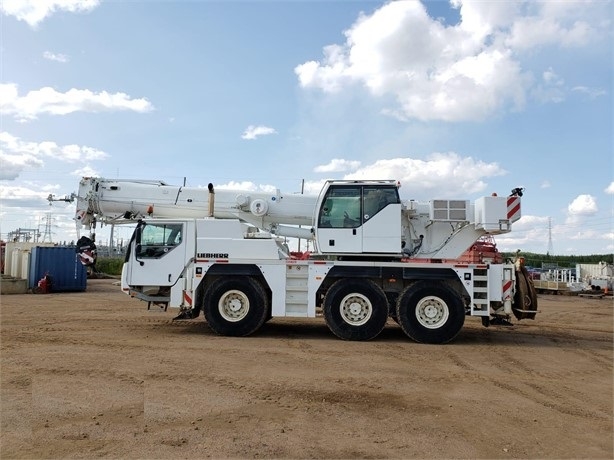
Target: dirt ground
x=94 y=374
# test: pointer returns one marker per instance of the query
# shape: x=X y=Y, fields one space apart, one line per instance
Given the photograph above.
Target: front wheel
x=430 y=312
x=235 y=306
x=355 y=309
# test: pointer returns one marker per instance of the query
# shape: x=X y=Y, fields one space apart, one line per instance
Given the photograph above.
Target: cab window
x=341 y=208
x=349 y=206
x=377 y=198
x=156 y=240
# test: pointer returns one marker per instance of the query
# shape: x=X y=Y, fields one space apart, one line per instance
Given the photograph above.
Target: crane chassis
x=375 y=257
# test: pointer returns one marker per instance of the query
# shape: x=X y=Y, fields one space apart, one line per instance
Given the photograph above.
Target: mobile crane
x=375 y=257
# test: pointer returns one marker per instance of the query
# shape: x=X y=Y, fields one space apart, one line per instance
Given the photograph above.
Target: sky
x=455 y=99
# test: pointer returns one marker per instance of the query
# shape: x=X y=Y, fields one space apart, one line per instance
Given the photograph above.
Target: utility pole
x=111 y=242
x=549 y=236
x=299 y=240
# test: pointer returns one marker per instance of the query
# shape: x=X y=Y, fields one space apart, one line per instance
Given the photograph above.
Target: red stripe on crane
x=187 y=298
x=513 y=207
x=507 y=289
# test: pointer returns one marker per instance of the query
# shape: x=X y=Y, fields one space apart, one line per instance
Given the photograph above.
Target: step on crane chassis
x=224 y=254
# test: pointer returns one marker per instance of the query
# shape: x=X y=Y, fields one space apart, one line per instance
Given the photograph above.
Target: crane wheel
x=235 y=306
x=430 y=312
x=355 y=309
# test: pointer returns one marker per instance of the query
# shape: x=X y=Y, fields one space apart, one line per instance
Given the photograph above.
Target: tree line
x=539 y=260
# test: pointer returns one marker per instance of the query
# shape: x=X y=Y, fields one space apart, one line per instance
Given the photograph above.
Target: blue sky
x=453 y=99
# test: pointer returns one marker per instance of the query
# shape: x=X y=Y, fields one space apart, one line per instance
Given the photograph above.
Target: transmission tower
x=47 y=233
x=549 y=236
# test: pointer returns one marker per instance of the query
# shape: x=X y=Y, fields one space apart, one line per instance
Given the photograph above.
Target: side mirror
x=137 y=253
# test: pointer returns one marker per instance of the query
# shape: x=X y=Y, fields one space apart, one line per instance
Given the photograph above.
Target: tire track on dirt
x=541 y=394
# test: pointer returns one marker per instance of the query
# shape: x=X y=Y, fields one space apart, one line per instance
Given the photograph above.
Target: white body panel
x=382 y=232
x=293 y=283
x=495 y=214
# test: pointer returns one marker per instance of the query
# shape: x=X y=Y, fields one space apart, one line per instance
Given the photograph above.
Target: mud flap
x=525 y=298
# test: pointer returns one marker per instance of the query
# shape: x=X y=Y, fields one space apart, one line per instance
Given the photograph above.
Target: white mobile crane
x=375 y=256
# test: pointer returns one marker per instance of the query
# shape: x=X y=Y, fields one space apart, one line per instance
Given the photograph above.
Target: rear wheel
x=355 y=309
x=235 y=306
x=430 y=312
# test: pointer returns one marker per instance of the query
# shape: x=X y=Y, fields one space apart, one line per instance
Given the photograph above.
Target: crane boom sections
x=350 y=217
x=117 y=201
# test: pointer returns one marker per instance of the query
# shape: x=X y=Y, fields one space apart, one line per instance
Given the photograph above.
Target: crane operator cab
x=359 y=217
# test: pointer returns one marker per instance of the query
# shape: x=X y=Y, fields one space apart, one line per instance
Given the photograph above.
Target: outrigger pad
x=186 y=314
x=498 y=321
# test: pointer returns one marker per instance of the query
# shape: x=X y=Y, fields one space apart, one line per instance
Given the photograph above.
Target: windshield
x=156 y=240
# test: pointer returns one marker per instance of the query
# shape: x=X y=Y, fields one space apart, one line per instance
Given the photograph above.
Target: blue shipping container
x=63 y=266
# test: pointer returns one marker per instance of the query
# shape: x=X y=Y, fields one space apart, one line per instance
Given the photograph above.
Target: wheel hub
x=233 y=306
x=356 y=309
x=432 y=312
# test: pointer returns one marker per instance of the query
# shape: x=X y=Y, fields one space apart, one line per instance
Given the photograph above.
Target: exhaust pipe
x=211 y=199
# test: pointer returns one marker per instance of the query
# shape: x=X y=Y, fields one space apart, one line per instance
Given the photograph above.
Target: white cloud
x=35 y=11
x=252 y=132
x=17 y=155
x=338 y=165
x=246 y=186
x=86 y=171
x=551 y=88
x=592 y=93
x=433 y=71
x=529 y=230
x=545 y=184
x=550 y=77
x=49 y=101
x=566 y=24
x=581 y=206
x=22 y=196
x=313 y=187
x=59 y=57
x=584 y=234
x=610 y=189
x=441 y=175
x=232 y=185
x=13 y=165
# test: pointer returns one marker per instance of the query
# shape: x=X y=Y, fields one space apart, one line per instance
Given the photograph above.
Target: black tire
x=430 y=312
x=235 y=306
x=355 y=309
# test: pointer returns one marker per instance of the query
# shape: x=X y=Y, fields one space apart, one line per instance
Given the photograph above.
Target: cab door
x=339 y=220
x=158 y=254
x=381 y=218
x=360 y=218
